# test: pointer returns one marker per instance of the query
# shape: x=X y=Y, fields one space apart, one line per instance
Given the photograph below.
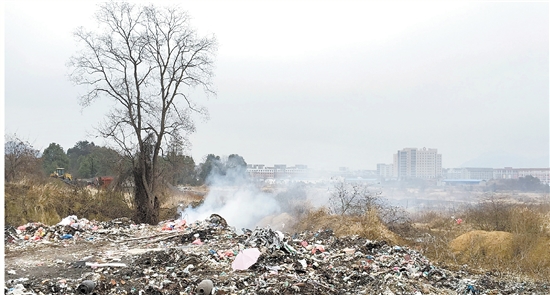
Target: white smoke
x=241 y=206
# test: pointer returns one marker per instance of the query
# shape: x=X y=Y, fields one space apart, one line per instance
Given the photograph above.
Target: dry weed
x=367 y=225
x=49 y=202
x=522 y=245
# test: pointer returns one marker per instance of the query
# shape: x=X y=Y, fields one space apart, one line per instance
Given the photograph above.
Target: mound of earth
x=483 y=244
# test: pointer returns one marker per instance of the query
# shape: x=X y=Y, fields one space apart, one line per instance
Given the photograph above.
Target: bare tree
x=20 y=158
x=353 y=199
x=144 y=58
x=357 y=199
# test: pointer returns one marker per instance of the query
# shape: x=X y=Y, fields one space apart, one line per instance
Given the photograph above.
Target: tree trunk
x=147 y=203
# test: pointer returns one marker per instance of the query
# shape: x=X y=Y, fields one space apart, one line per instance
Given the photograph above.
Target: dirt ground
x=55 y=261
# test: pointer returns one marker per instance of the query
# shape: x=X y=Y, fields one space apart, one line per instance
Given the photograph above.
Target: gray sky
x=321 y=83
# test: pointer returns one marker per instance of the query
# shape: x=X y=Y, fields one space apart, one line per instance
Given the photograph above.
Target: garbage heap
x=210 y=257
x=71 y=227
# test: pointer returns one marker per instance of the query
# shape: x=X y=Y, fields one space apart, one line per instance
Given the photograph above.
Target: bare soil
x=42 y=262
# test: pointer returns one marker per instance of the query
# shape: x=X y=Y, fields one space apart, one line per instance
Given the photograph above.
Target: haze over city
x=325 y=84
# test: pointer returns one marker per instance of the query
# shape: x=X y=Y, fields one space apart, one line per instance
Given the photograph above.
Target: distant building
x=260 y=171
x=417 y=163
x=479 y=173
x=474 y=173
x=277 y=171
x=514 y=173
x=504 y=173
x=541 y=173
x=296 y=171
x=468 y=173
x=384 y=170
x=453 y=173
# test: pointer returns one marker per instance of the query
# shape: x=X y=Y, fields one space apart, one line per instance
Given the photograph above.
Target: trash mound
x=210 y=257
x=69 y=228
x=483 y=244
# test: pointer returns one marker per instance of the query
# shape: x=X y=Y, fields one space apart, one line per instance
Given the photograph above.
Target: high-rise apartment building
x=417 y=163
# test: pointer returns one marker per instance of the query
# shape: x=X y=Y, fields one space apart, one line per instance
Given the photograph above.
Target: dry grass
x=483 y=246
x=493 y=236
x=519 y=253
x=367 y=225
x=434 y=231
x=49 y=202
x=172 y=197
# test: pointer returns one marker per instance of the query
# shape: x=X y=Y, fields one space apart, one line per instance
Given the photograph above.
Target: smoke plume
x=241 y=201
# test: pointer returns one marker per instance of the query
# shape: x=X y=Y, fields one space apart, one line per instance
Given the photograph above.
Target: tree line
x=86 y=160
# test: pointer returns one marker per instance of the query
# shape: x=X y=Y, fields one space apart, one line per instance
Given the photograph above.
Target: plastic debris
x=245 y=259
x=265 y=237
x=68 y=220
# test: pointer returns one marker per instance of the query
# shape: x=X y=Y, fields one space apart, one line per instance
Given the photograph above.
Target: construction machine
x=60 y=173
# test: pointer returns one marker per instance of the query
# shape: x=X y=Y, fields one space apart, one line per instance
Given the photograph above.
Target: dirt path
x=56 y=261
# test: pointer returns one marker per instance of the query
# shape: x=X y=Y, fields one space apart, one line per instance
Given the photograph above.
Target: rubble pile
x=210 y=257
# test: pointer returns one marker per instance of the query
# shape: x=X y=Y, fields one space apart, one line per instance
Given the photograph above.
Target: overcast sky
x=323 y=83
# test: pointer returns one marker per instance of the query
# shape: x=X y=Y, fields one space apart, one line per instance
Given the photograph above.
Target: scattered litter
x=18 y=289
x=176 y=257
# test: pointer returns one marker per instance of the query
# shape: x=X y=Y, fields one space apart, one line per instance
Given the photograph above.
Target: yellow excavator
x=60 y=173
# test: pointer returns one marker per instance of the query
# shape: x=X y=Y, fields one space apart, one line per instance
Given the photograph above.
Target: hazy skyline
x=325 y=84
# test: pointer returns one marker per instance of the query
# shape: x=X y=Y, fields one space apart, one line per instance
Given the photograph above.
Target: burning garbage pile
x=210 y=257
